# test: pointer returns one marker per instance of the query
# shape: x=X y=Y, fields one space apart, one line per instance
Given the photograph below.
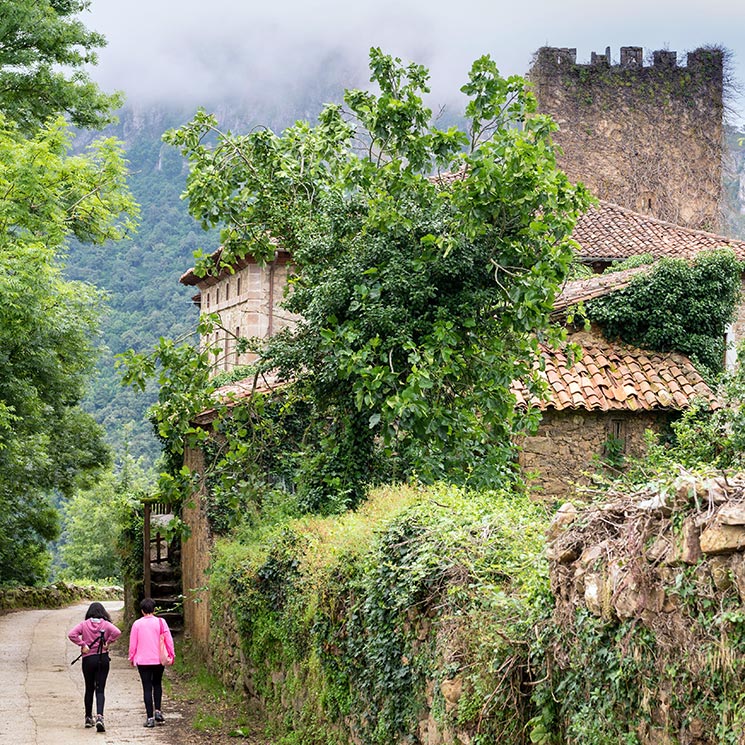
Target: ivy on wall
x=356 y=614
x=678 y=306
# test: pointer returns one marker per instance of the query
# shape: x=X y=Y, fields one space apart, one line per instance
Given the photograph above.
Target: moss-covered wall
x=54 y=596
x=402 y=622
x=647 y=137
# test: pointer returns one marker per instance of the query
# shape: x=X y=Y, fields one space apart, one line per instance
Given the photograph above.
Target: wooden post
x=146 y=551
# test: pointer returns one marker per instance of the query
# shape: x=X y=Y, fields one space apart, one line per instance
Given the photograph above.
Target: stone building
x=599 y=408
x=247 y=298
x=646 y=137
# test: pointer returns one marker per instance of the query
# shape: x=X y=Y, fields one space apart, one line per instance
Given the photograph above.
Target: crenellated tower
x=648 y=137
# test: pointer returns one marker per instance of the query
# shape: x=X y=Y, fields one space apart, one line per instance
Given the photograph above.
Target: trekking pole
x=100 y=647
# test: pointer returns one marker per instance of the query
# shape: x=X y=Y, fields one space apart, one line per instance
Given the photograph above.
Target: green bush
x=360 y=611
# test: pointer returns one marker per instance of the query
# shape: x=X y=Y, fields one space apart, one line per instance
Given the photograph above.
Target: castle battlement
x=631 y=58
x=645 y=133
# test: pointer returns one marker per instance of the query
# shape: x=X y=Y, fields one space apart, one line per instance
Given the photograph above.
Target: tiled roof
x=232 y=393
x=607 y=377
x=582 y=290
x=190 y=278
x=615 y=377
x=608 y=232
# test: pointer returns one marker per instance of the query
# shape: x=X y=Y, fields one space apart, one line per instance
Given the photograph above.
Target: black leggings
x=152 y=686
x=95 y=672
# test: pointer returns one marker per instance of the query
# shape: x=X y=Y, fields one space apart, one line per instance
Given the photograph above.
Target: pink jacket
x=86 y=633
x=144 y=640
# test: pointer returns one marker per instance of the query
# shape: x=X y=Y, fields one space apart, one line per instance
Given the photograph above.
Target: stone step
x=164 y=572
x=167 y=601
x=174 y=620
x=160 y=589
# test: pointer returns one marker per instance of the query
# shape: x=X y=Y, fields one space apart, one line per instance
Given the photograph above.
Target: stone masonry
x=646 y=137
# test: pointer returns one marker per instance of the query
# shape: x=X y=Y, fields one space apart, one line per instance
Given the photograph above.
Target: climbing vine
x=678 y=305
x=360 y=612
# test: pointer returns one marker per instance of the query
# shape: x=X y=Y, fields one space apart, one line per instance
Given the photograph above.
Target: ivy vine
x=679 y=305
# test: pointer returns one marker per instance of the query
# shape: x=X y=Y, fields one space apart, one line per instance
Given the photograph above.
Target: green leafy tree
x=47 y=329
x=92 y=523
x=422 y=296
x=44 y=48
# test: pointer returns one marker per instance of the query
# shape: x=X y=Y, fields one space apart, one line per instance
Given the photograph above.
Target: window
x=208 y=300
x=237 y=337
x=217 y=296
x=227 y=290
x=238 y=285
x=615 y=437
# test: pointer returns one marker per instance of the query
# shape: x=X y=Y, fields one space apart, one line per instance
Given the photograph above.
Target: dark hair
x=96 y=610
x=147 y=605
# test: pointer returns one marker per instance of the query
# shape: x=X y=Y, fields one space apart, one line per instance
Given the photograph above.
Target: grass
x=209 y=708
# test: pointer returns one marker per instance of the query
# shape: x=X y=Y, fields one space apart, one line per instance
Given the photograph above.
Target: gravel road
x=41 y=694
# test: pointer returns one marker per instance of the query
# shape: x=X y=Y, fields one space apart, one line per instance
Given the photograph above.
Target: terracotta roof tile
x=582 y=290
x=623 y=378
x=232 y=393
x=608 y=232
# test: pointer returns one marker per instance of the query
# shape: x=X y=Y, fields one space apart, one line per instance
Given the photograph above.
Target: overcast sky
x=198 y=51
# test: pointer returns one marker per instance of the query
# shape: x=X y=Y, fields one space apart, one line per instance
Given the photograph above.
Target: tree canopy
x=48 y=328
x=426 y=261
x=44 y=48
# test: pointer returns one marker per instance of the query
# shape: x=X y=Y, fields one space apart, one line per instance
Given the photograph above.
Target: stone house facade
x=247 y=298
x=599 y=408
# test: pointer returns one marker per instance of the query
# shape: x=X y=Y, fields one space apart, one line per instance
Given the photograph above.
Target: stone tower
x=647 y=137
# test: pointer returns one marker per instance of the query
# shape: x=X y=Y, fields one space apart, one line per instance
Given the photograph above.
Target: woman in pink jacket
x=144 y=651
x=93 y=636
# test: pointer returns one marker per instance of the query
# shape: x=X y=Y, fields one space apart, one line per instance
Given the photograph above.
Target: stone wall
x=195 y=560
x=249 y=305
x=570 y=443
x=648 y=138
x=668 y=561
x=55 y=596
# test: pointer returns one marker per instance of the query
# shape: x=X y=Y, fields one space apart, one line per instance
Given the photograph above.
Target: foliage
x=47 y=327
x=420 y=298
x=184 y=391
x=678 y=305
x=139 y=275
x=93 y=520
x=43 y=55
x=359 y=611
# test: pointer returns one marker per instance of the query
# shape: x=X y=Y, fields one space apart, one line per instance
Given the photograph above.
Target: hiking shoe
x=99 y=724
x=159 y=718
x=88 y=722
x=149 y=722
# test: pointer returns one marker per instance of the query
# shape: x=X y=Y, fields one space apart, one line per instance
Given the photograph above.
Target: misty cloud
x=201 y=52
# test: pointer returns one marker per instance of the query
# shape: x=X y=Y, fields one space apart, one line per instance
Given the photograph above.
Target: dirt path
x=41 y=694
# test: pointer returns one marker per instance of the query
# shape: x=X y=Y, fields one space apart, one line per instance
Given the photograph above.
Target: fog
x=202 y=52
